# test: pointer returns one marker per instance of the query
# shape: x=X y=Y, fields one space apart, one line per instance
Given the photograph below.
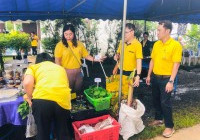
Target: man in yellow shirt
x=165 y=61
x=132 y=54
x=34 y=43
x=132 y=59
x=47 y=85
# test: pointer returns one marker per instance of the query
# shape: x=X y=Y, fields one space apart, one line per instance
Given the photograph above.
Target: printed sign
x=97 y=80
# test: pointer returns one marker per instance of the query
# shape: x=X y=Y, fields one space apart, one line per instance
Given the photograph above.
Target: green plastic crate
x=99 y=104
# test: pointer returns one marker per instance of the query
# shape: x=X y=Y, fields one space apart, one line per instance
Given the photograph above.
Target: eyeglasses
x=128 y=31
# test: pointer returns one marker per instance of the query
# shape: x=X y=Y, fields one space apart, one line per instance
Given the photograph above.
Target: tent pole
x=39 y=34
x=122 y=51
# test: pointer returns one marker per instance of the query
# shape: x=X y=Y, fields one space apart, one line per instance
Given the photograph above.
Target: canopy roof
x=175 y=10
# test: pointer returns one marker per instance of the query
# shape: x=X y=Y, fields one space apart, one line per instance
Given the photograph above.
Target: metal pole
x=103 y=70
x=122 y=51
x=39 y=35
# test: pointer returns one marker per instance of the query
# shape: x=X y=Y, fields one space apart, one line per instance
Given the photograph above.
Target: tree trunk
x=1 y=60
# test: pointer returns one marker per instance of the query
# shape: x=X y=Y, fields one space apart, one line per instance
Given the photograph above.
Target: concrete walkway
x=191 y=133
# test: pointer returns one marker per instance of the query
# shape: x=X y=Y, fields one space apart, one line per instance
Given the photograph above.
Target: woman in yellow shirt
x=48 y=87
x=68 y=53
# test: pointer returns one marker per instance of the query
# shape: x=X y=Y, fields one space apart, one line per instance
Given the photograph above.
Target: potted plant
x=19 y=41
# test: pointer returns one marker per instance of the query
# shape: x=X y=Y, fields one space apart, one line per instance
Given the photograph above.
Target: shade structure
x=184 y=11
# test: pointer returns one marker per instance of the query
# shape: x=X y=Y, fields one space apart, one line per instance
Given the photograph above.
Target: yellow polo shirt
x=164 y=56
x=68 y=60
x=132 y=52
x=51 y=83
x=34 y=42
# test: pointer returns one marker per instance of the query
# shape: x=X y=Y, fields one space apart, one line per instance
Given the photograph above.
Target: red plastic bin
x=111 y=133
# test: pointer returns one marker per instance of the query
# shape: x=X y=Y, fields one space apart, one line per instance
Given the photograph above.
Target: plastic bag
x=86 y=129
x=130 y=119
x=31 y=128
x=105 y=123
x=112 y=86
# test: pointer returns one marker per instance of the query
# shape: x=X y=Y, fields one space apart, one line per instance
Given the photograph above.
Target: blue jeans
x=162 y=101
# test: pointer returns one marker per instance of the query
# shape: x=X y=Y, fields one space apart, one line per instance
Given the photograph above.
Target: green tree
x=192 y=37
x=9 y=26
x=3 y=43
x=85 y=31
x=18 y=40
x=113 y=29
x=151 y=27
x=53 y=32
x=49 y=44
x=89 y=30
x=140 y=29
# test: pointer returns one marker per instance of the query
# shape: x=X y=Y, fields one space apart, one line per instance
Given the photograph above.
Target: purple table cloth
x=9 y=114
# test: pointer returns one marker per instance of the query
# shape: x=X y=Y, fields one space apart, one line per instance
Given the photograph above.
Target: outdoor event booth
x=180 y=11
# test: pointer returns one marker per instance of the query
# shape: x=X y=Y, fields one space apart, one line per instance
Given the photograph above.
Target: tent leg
x=122 y=51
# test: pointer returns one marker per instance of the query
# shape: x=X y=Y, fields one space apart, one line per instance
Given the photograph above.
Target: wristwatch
x=171 y=81
x=138 y=75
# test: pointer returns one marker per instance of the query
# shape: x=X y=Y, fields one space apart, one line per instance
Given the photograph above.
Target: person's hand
x=27 y=99
x=102 y=58
x=29 y=103
x=117 y=57
x=148 y=80
x=136 y=82
x=115 y=70
x=169 y=87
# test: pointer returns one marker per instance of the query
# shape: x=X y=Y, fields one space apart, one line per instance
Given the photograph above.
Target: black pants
x=34 y=50
x=162 y=101
x=47 y=112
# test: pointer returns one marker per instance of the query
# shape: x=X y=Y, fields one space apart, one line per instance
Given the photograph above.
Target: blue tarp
x=176 y=10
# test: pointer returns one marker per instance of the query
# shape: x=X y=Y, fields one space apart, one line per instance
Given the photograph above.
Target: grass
x=183 y=117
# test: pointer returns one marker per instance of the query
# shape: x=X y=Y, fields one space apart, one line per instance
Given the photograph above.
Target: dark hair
x=146 y=33
x=43 y=57
x=130 y=26
x=166 y=24
x=33 y=32
x=74 y=40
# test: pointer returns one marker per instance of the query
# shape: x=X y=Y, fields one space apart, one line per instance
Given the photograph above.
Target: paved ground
x=191 y=133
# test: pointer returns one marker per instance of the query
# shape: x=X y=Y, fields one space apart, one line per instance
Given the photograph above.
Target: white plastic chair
x=191 y=57
x=85 y=65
